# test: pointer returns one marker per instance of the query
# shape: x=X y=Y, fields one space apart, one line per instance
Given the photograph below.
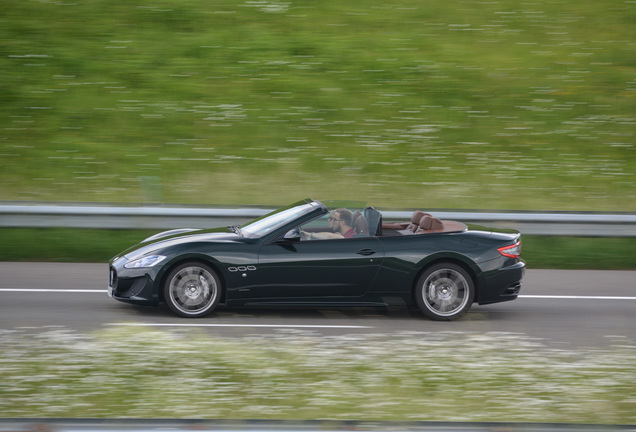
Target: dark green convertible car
x=307 y=254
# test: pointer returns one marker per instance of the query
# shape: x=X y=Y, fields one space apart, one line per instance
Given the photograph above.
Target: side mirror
x=292 y=235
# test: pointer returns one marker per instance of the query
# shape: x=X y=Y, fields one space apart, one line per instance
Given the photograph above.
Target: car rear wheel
x=192 y=290
x=444 y=292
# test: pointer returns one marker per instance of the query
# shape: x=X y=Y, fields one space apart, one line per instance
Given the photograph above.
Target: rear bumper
x=503 y=284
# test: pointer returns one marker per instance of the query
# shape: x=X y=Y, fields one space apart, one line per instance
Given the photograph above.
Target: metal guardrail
x=167 y=217
x=131 y=425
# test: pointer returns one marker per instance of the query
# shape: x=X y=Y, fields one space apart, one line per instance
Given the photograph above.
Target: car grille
x=113 y=278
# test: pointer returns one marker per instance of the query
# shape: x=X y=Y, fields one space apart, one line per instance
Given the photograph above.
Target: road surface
x=569 y=309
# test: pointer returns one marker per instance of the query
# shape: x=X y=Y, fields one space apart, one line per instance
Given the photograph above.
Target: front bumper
x=132 y=285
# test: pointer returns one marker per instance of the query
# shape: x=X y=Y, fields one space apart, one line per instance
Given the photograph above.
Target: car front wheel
x=192 y=290
x=444 y=292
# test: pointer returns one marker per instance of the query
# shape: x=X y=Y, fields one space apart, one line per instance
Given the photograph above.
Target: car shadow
x=304 y=315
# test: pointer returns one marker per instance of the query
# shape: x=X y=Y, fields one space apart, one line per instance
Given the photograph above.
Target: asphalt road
x=569 y=309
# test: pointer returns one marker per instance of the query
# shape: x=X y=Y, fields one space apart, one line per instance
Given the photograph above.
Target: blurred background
x=458 y=104
x=406 y=104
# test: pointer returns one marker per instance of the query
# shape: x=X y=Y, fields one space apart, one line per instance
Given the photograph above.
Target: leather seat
x=360 y=224
x=430 y=224
x=374 y=218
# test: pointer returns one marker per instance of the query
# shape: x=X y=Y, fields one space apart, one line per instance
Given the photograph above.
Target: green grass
x=294 y=375
x=93 y=245
x=574 y=253
x=456 y=104
x=66 y=245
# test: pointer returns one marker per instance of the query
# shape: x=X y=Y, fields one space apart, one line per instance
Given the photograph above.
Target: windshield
x=277 y=219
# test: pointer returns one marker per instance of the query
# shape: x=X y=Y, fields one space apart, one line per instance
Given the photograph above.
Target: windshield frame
x=273 y=222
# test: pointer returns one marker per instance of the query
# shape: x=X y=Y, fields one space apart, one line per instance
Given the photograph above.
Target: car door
x=320 y=269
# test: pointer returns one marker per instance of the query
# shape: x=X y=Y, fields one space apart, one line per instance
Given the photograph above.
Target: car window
x=318 y=229
x=339 y=223
x=320 y=223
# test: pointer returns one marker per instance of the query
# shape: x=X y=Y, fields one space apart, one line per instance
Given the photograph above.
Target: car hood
x=177 y=237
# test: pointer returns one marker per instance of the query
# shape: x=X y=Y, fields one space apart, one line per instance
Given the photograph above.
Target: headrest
x=416 y=216
x=430 y=223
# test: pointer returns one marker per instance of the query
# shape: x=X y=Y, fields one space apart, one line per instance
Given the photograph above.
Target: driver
x=340 y=222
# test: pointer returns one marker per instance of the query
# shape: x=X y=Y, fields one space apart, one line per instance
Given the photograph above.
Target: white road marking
x=572 y=297
x=558 y=297
x=240 y=325
x=56 y=290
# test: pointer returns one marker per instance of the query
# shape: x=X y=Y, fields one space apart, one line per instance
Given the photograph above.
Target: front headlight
x=147 y=261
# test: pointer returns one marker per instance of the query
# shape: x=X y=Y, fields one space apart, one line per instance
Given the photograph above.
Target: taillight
x=512 y=251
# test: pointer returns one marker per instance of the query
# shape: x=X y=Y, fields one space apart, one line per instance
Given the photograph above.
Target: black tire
x=444 y=292
x=192 y=290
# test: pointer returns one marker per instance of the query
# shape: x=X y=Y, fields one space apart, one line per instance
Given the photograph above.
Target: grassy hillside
x=455 y=104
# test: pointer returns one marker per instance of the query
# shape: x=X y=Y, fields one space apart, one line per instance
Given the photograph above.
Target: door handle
x=365 y=252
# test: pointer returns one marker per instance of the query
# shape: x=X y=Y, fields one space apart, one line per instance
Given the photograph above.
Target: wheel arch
x=460 y=260
x=193 y=258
